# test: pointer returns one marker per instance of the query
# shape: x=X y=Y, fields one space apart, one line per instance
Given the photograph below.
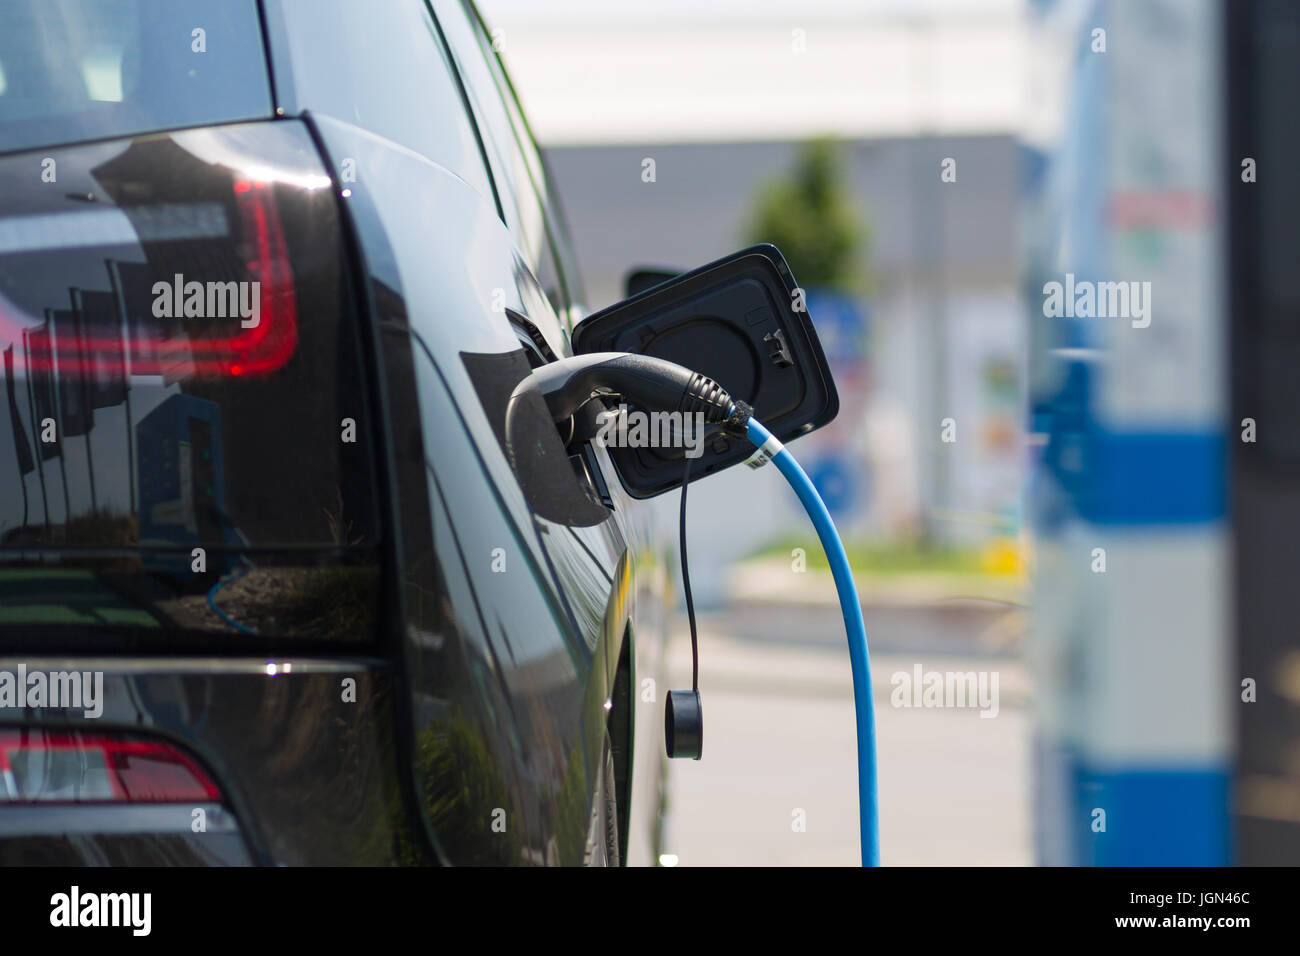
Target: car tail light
x=38 y=766
x=73 y=348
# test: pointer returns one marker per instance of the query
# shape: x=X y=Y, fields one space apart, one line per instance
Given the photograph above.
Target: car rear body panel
x=455 y=708
x=306 y=763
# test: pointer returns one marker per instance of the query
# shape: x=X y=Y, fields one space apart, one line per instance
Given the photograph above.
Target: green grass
x=882 y=559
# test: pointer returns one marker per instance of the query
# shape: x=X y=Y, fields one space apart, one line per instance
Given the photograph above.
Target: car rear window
x=88 y=69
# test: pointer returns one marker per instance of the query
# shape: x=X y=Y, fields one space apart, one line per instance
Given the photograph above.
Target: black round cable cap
x=684 y=724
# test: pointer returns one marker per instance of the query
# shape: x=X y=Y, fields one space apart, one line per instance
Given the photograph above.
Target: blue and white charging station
x=1131 y=632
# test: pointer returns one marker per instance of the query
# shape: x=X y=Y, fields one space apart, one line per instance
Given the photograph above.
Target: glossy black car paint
x=504 y=654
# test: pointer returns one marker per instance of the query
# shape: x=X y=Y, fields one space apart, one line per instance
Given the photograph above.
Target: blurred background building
x=723 y=99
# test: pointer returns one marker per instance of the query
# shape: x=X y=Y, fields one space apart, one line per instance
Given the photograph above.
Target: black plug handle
x=653 y=383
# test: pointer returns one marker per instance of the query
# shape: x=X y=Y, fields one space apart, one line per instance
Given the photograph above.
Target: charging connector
x=654 y=384
x=658 y=385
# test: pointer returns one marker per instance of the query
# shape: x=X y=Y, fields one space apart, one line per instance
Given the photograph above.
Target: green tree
x=809 y=216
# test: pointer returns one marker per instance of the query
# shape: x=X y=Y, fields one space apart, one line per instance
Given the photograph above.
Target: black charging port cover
x=742 y=321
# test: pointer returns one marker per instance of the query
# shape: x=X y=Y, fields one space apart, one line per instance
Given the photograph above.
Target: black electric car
x=284 y=576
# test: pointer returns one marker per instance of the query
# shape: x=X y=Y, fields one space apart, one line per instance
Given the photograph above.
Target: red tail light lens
x=72 y=767
x=265 y=347
x=270 y=344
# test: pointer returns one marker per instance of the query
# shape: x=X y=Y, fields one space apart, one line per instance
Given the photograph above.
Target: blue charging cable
x=654 y=383
x=868 y=821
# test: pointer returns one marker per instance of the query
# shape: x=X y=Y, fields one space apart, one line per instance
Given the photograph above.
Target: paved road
x=779 y=739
